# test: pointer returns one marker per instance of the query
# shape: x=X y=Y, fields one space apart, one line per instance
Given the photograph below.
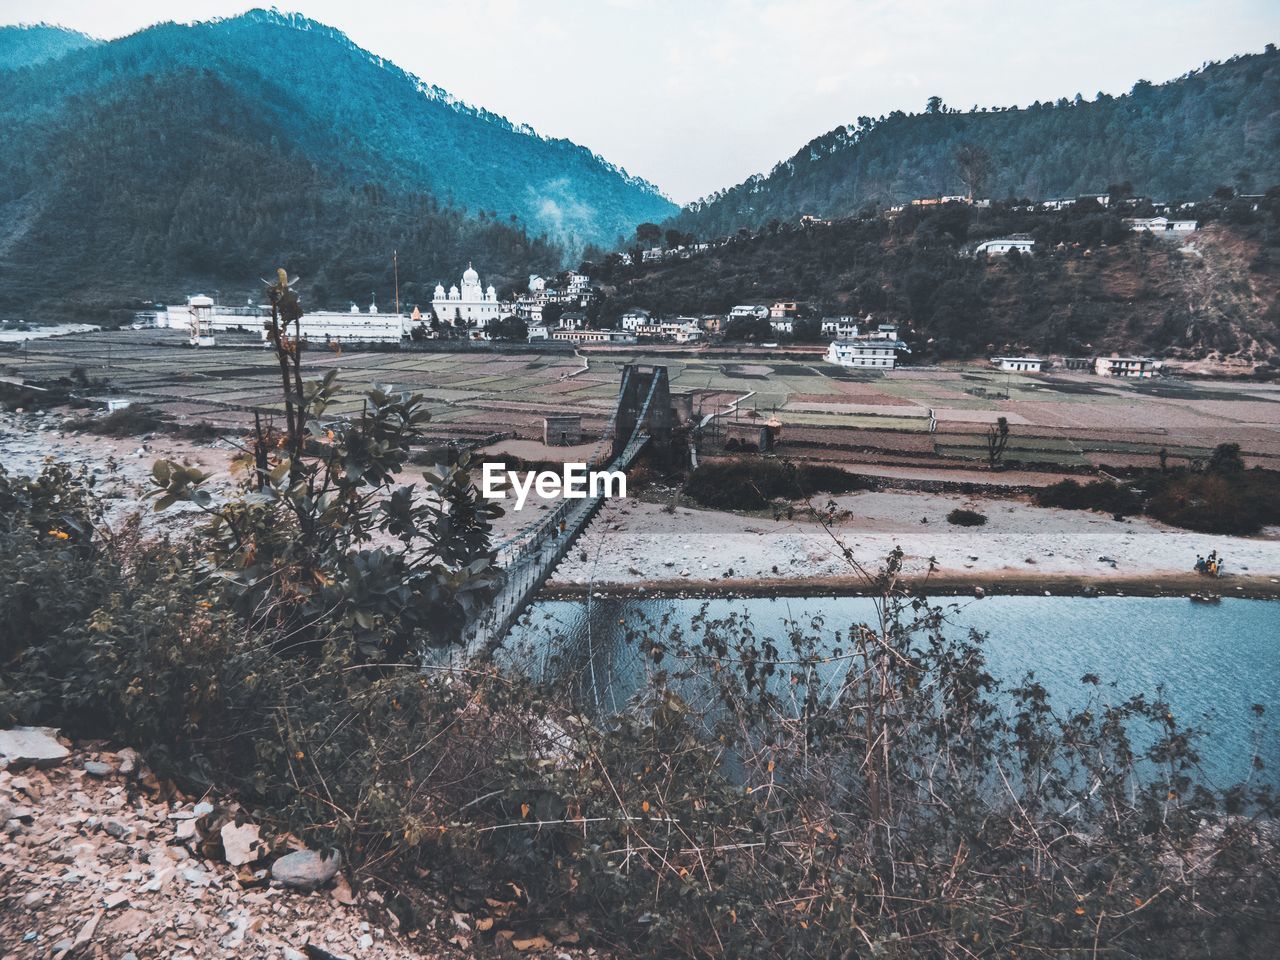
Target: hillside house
x=1002 y=245
x=572 y=320
x=748 y=311
x=784 y=309
x=863 y=352
x=1133 y=368
x=840 y=328
x=635 y=318
x=1162 y=225
x=1018 y=364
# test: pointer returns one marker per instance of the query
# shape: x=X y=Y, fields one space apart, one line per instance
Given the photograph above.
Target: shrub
x=754 y=483
x=966 y=518
x=1101 y=495
x=131 y=421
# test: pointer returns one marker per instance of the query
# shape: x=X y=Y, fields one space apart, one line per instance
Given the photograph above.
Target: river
x=1215 y=662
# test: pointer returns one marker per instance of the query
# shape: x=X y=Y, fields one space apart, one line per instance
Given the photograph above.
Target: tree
x=551 y=313
x=296 y=548
x=974 y=163
x=1226 y=459
x=648 y=234
x=509 y=328
x=997 y=440
x=935 y=105
x=748 y=328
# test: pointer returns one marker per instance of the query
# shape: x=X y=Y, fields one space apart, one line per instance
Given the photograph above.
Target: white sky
x=699 y=94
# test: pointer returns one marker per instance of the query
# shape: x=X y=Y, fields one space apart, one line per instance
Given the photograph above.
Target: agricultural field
x=912 y=415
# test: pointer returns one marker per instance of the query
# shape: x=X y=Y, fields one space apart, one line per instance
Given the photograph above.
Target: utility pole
x=395 y=269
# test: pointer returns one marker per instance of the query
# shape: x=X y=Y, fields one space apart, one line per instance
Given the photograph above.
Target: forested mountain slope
x=1092 y=286
x=188 y=156
x=24 y=46
x=1177 y=140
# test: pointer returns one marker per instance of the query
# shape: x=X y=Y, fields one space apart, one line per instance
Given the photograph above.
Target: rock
x=113 y=900
x=96 y=768
x=306 y=869
x=365 y=942
x=241 y=845
x=292 y=954
x=128 y=758
x=32 y=747
x=202 y=809
x=117 y=829
x=979 y=592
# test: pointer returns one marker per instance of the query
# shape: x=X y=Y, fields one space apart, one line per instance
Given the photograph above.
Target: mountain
x=1091 y=287
x=200 y=156
x=25 y=46
x=1182 y=139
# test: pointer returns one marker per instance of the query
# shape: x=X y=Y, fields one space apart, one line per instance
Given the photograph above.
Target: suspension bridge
x=527 y=559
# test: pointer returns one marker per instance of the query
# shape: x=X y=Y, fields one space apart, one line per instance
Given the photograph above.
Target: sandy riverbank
x=1022 y=548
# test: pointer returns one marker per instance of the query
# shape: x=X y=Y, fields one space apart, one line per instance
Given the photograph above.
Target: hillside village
x=969 y=249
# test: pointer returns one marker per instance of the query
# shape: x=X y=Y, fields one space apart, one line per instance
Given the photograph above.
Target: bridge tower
x=644 y=399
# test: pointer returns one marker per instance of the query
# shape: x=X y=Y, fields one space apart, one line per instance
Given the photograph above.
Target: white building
x=539 y=331
x=1162 y=225
x=1018 y=364
x=593 y=336
x=470 y=306
x=748 y=310
x=352 y=325
x=782 y=325
x=571 y=320
x=1001 y=246
x=1136 y=368
x=863 y=352
x=635 y=318
x=840 y=328
x=578 y=284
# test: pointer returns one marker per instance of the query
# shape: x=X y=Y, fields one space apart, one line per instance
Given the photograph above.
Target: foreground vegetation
x=873 y=795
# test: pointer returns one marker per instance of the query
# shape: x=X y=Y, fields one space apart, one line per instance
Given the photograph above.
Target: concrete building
x=875 y=352
x=635 y=318
x=840 y=328
x=594 y=336
x=784 y=309
x=999 y=247
x=1134 y=368
x=1162 y=226
x=749 y=310
x=562 y=430
x=1018 y=364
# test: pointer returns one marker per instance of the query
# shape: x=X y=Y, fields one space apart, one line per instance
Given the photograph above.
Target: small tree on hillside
x=997 y=440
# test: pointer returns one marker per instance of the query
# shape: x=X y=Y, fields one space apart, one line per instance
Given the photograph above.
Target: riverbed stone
x=32 y=747
x=306 y=869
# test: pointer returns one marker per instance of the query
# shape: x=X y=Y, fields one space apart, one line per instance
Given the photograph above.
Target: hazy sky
x=698 y=94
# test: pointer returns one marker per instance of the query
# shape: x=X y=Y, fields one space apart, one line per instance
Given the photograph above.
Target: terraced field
x=937 y=416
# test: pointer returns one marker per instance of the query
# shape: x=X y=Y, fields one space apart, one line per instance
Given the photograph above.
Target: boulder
x=306 y=869
x=240 y=845
x=96 y=768
x=32 y=747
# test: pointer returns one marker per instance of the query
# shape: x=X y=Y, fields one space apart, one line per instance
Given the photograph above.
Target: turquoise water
x=1215 y=662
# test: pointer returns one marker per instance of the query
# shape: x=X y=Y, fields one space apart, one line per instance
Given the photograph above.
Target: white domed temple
x=469 y=306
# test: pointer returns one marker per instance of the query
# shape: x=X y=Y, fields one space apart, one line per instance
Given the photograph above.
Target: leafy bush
x=753 y=483
x=966 y=518
x=1101 y=495
x=1211 y=503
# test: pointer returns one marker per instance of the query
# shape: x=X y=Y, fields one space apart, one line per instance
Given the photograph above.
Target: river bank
x=634 y=547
